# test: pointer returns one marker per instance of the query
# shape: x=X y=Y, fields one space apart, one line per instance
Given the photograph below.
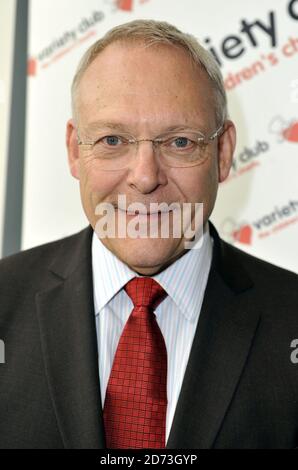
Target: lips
x=138 y=212
x=142 y=214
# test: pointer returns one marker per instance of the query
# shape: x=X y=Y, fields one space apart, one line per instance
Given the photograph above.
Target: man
x=139 y=342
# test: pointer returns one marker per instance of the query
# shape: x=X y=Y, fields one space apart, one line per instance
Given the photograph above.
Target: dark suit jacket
x=240 y=388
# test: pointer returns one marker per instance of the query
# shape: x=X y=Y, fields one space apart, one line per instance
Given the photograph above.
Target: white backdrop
x=256 y=44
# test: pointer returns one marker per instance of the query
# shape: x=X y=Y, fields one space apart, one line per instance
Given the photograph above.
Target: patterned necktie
x=136 y=397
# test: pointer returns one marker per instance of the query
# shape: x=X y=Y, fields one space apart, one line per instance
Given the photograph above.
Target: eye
x=112 y=140
x=181 y=142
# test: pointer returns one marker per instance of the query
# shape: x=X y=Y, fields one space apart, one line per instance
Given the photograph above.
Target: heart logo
x=243 y=234
x=31 y=67
x=291 y=133
x=125 y=5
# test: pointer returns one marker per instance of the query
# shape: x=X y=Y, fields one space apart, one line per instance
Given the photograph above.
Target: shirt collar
x=110 y=275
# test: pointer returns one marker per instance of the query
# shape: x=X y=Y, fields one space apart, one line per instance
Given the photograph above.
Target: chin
x=150 y=254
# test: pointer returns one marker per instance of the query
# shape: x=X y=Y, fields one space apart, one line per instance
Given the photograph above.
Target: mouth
x=143 y=214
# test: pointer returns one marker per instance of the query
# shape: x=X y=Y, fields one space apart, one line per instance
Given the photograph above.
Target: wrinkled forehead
x=144 y=81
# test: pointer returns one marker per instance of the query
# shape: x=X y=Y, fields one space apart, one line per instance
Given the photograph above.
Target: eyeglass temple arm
x=217 y=132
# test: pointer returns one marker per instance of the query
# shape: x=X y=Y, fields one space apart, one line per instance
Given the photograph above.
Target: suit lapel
x=221 y=345
x=68 y=335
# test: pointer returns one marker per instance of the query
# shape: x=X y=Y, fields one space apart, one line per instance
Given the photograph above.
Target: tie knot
x=145 y=292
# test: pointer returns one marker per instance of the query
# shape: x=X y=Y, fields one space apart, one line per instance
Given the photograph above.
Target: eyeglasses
x=116 y=151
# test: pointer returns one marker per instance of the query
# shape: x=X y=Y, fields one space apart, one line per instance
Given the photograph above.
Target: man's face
x=148 y=91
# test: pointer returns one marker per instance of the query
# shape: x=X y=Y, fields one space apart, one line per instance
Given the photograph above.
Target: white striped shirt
x=177 y=316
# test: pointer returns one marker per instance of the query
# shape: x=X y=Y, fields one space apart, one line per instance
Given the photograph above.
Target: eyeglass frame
x=217 y=133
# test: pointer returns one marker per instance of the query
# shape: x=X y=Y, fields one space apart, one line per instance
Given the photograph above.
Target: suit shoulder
x=28 y=264
x=272 y=284
x=260 y=268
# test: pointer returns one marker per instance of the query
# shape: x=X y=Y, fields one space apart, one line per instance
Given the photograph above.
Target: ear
x=72 y=149
x=226 y=148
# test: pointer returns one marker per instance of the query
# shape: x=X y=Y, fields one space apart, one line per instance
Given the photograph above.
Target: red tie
x=136 y=397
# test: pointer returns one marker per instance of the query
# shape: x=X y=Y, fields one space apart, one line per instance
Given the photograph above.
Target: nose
x=146 y=172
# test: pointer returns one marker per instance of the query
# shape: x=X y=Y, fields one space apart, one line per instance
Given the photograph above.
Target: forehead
x=145 y=82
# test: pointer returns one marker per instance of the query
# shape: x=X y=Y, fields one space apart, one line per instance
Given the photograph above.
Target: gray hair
x=153 y=32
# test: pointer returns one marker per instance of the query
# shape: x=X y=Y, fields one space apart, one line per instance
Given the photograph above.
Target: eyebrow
x=181 y=128
x=122 y=127
x=111 y=125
